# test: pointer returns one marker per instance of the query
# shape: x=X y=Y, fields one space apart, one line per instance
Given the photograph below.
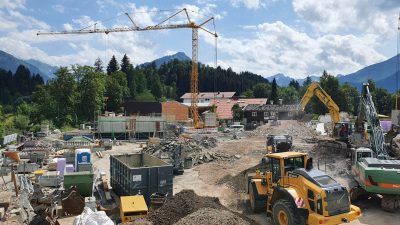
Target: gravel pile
x=187 y=202
x=212 y=216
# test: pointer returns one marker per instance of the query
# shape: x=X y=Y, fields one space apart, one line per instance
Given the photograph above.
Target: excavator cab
x=294 y=193
x=342 y=131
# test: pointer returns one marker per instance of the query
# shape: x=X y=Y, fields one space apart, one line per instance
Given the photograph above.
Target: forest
x=79 y=93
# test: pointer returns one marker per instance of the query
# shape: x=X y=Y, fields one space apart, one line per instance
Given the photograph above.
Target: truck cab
x=357 y=155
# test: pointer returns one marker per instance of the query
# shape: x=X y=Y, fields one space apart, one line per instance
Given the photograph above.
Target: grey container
x=140 y=174
x=85 y=167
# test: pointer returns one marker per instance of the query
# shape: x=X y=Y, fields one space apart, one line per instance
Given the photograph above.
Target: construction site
x=192 y=162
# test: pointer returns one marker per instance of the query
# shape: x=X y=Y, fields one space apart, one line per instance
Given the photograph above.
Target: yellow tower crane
x=163 y=26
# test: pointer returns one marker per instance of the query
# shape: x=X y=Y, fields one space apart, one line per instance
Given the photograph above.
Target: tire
x=388 y=203
x=257 y=203
x=284 y=211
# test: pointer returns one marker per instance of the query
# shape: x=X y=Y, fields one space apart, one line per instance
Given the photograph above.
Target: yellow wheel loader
x=293 y=193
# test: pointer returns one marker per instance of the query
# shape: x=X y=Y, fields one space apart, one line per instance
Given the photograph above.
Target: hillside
x=383 y=73
x=180 y=56
x=10 y=62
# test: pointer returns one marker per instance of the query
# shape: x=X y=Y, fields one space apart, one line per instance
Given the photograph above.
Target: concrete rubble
x=199 y=149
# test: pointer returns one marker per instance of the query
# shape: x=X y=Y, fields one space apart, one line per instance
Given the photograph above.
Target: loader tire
x=257 y=203
x=283 y=213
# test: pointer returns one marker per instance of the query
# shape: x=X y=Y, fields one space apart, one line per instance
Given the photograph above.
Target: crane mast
x=162 y=26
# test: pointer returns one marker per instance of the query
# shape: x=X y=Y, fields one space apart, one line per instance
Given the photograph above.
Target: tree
x=274 y=92
x=289 y=95
x=21 y=122
x=331 y=85
x=351 y=96
x=140 y=80
x=126 y=64
x=260 y=90
x=145 y=96
x=112 y=66
x=44 y=105
x=116 y=90
x=295 y=84
x=248 y=93
x=63 y=89
x=237 y=112
x=98 y=65
x=91 y=94
x=156 y=86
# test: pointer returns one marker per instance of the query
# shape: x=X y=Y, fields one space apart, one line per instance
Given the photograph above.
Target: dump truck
x=132 y=208
x=278 y=143
x=294 y=193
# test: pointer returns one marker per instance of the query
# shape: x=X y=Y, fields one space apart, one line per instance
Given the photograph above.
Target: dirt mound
x=238 y=182
x=212 y=216
x=184 y=203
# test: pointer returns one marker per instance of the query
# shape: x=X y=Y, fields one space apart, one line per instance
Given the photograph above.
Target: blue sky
x=294 y=37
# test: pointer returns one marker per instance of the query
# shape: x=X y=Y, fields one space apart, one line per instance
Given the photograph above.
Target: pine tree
x=98 y=64
x=274 y=92
x=126 y=64
x=112 y=66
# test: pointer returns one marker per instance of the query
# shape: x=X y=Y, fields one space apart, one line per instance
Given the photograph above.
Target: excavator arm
x=315 y=90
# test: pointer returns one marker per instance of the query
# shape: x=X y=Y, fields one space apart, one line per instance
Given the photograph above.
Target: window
x=310 y=196
x=294 y=163
x=253 y=114
x=361 y=155
x=276 y=170
x=265 y=113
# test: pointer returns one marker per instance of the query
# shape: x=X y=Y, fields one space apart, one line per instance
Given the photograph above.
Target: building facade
x=262 y=114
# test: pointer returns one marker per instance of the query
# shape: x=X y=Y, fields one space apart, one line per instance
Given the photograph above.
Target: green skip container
x=82 y=180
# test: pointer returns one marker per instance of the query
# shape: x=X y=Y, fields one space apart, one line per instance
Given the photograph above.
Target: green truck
x=372 y=168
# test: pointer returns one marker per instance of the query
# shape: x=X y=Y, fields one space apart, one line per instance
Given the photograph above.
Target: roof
x=224 y=106
x=210 y=95
x=142 y=108
x=277 y=108
x=286 y=154
x=133 y=203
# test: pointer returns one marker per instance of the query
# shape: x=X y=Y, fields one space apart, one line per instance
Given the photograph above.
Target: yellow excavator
x=294 y=193
x=341 y=129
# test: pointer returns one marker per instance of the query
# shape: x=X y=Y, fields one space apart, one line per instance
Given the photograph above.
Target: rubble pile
x=198 y=148
x=186 y=203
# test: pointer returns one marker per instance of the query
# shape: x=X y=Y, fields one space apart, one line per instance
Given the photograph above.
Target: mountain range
x=181 y=56
x=383 y=73
x=10 y=62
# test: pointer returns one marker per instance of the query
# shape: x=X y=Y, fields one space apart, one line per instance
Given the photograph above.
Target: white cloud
x=252 y=4
x=12 y=4
x=277 y=48
x=375 y=17
x=58 y=8
x=143 y=15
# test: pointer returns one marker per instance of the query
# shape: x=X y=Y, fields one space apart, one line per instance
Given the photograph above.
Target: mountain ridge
x=10 y=62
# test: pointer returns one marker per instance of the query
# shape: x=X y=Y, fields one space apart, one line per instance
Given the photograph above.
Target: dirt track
x=223 y=179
